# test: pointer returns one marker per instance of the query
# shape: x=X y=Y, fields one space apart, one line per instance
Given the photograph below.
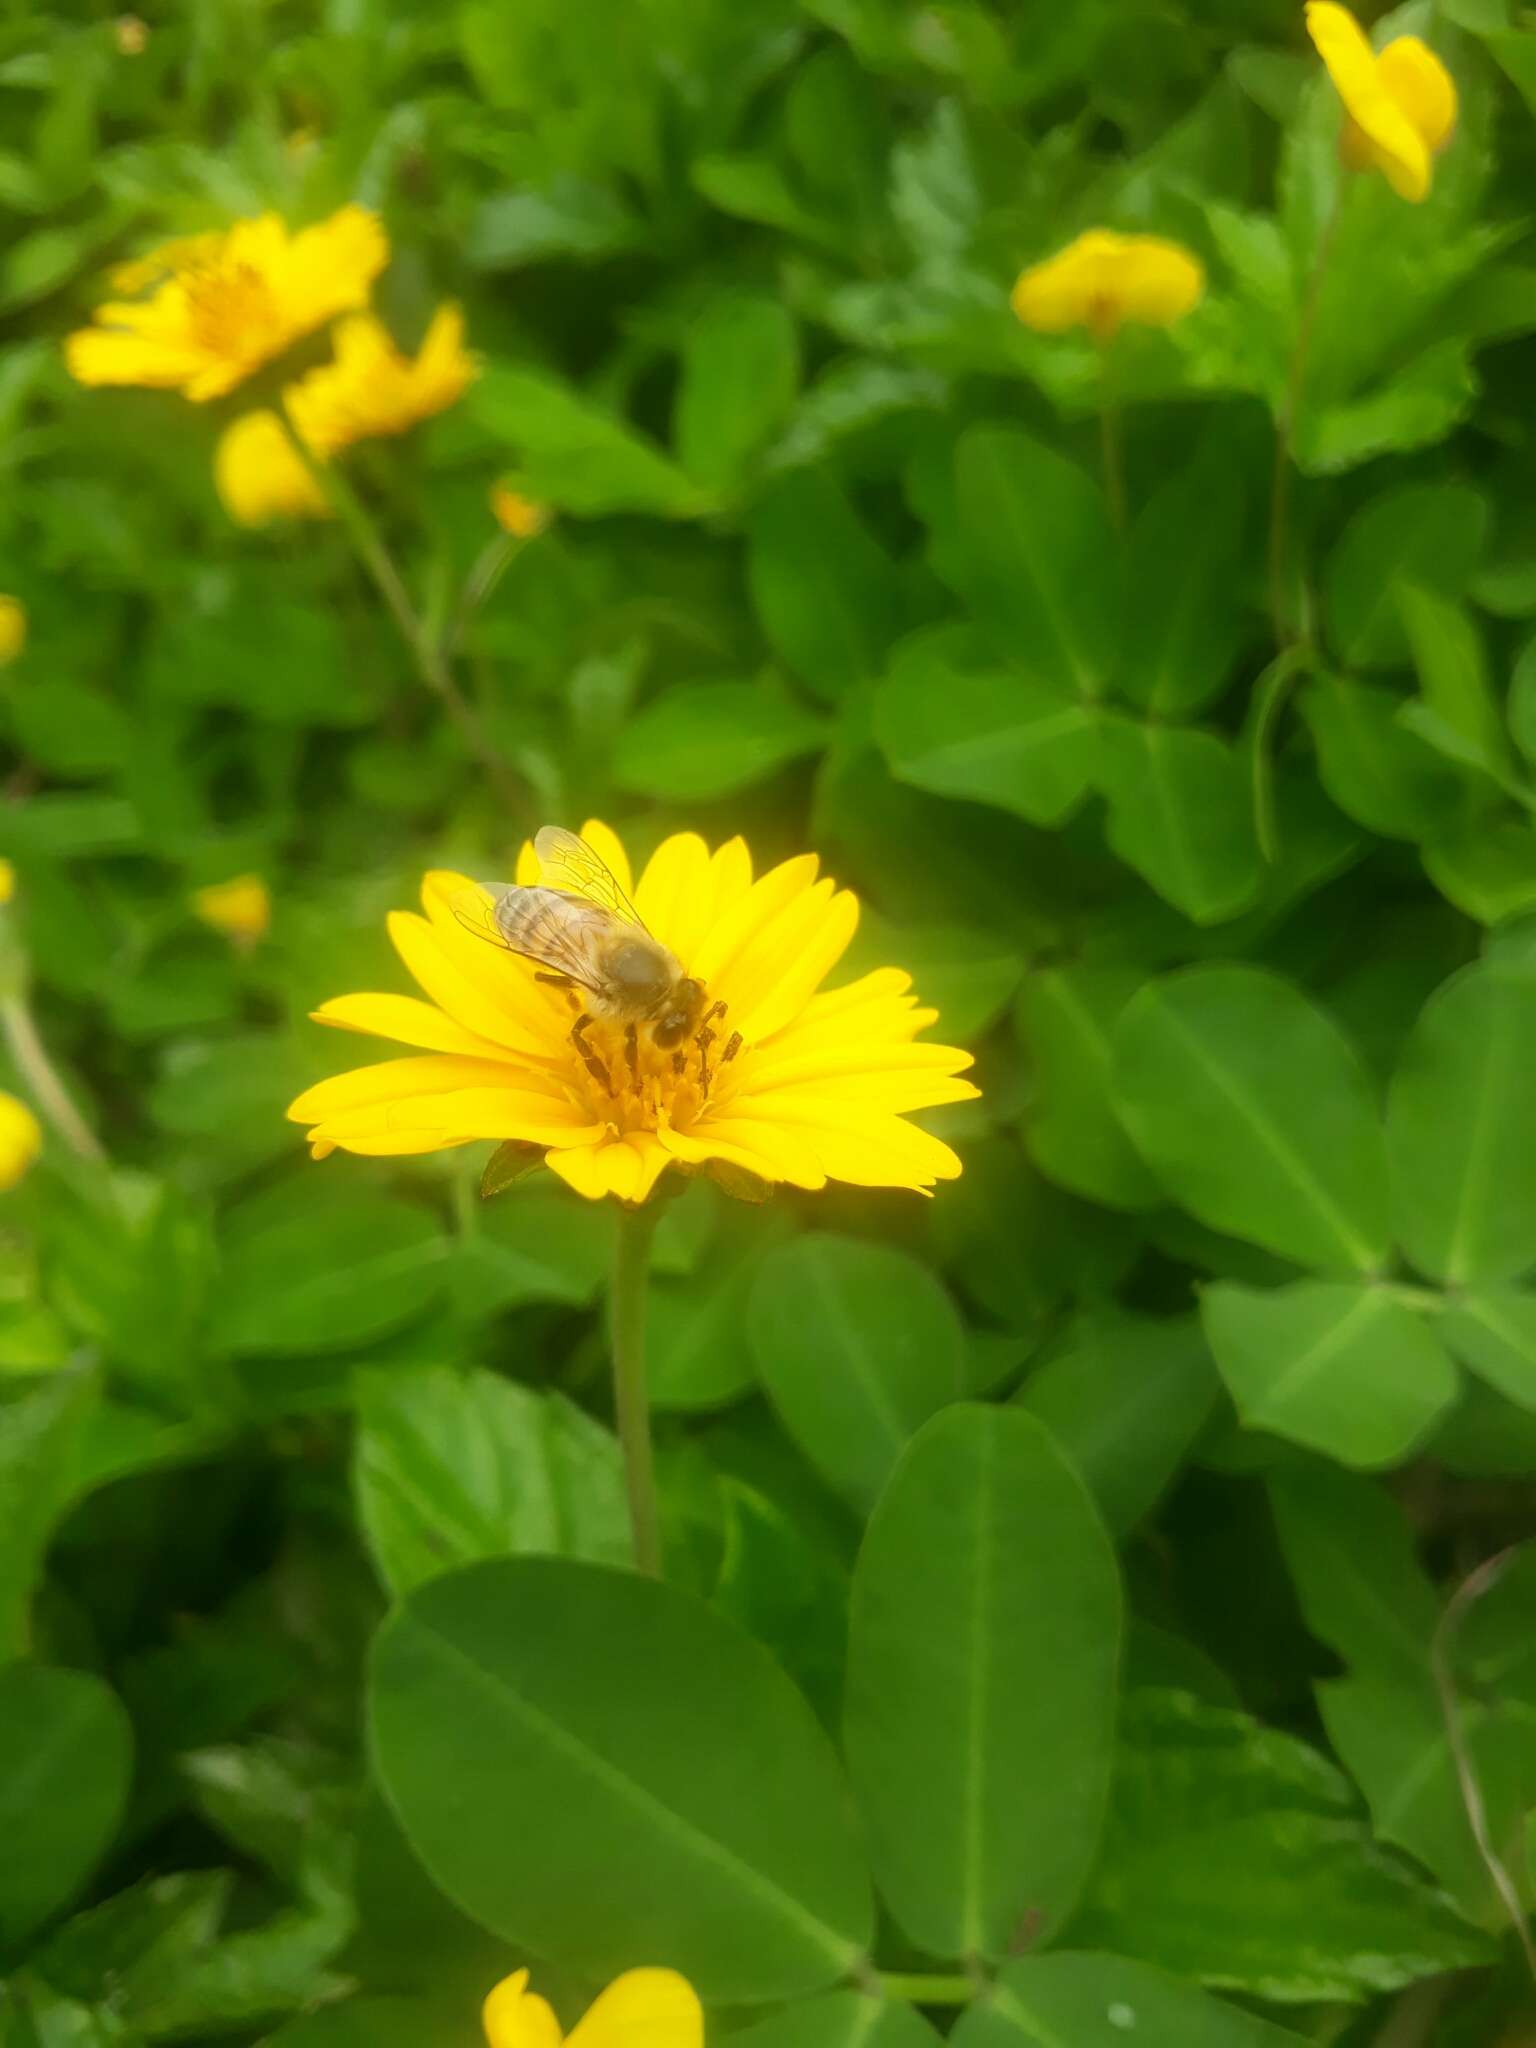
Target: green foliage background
x=1056 y=1570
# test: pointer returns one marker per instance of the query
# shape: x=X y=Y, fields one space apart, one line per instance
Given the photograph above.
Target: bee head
x=676 y=1019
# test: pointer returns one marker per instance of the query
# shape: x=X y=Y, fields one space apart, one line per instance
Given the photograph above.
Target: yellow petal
x=1422 y=88
x=758 y=1146
x=674 y=892
x=1392 y=141
x=514 y=2017
x=776 y=977
x=13 y=629
x=500 y=1113
x=259 y=475
x=455 y=985
x=391 y=1081
x=642 y=2009
x=609 y=848
x=734 y=928
x=1159 y=281
x=1104 y=278
x=541 y=1014
x=380 y=1144
x=626 y=1168
x=408 y=1021
x=21 y=1139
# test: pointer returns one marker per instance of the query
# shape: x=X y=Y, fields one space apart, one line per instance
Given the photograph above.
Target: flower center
x=232 y=312
x=626 y=1079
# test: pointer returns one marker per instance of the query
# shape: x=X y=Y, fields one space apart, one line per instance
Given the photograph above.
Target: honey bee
x=584 y=933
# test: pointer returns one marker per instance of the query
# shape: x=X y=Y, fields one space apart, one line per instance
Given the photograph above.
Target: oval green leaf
x=68 y=1750
x=1086 y=2000
x=1256 y=1114
x=984 y=1638
x=599 y=1768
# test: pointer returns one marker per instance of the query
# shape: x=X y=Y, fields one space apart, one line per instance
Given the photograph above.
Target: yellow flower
x=522 y=517
x=7 y=881
x=1104 y=279
x=641 y=2009
x=131 y=35
x=13 y=628
x=784 y=1079
x=372 y=389
x=228 y=303
x=241 y=909
x=21 y=1139
x=260 y=476
x=1399 y=107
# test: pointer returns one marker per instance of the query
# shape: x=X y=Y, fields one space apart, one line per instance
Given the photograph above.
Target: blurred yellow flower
x=372 y=389
x=241 y=908
x=1399 y=107
x=1104 y=279
x=21 y=1139
x=131 y=35
x=227 y=303
x=7 y=881
x=641 y=2009
x=13 y=628
x=522 y=517
x=259 y=474
x=780 y=1078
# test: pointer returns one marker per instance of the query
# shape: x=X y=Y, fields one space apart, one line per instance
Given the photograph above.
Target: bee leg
x=732 y=1047
x=704 y=1038
x=561 y=981
x=678 y=1063
x=590 y=1060
x=632 y=1053
x=715 y=1010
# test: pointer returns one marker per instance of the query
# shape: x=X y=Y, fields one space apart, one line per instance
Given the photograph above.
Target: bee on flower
x=621 y=1027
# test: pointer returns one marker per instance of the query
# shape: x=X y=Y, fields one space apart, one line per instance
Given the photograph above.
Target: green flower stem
x=431 y=661
x=492 y=563
x=631 y=1265
x=41 y=1078
x=1285 y=420
x=928 y=1990
x=1110 y=449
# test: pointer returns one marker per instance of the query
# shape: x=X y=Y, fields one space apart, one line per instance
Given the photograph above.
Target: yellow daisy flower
x=1104 y=279
x=21 y=1139
x=229 y=303
x=13 y=629
x=372 y=389
x=1399 y=107
x=259 y=475
x=775 y=1075
x=7 y=881
x=241 y=908
x=641 y=2009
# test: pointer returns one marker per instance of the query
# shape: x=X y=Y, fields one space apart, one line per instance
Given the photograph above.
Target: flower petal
x=1422 y=87
x=773 y=979
x=390 y=1081
x=408 y=1021
x=732 y=929
x=642 y=2009
x=450 y=977
x=1394 y=144
x=674 y=893
x=758 y=1146
x=515 y=2017
x=627 y=1168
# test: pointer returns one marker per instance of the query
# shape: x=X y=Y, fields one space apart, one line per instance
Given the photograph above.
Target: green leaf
x=572 y=454
x=1184 y=615
x=984 y=1637
x=1377 y=772
x=1454 y=684
x=1181 y=814
x=741 y=370
x=534 y=1243
x=252 y=644
x=311 y=1273
x=1522 y=700
x=1461 y=1130
x=705 y=740
x=1492 y=1330
x=1033 y=555
x=993 y=735
x=824 y=591
x=1256 y=1114
x=1486 y=867
x=451 y=1467
x=857 y=1344
x=1101 y=2001
x=537 y=1721
x=966 y=974
x=1235 y=1855
x=41 y=1450
x=1343 y=1369
x=1066 y=1020
x=841 y=2019
x=68 y=1749
x=1125 y=1398
x=1425 y=534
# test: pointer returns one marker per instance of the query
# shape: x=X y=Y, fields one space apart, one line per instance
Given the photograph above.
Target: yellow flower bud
x=7 y=881
x=259 y=474
x=1399 y=107
x=13 y=628
x=131 y=35
x=241 y=908
x=521 y=517
x=1104 y=279
x=21 y=1139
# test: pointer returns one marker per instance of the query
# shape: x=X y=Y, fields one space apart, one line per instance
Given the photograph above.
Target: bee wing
x=568 y=863
x=560 y=932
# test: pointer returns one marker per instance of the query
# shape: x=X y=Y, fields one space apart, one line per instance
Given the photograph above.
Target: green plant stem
x=927 y=1990
x=491 y=564
x=1285 y=420
x=431 y=661
x=41 y=1077
x=1111 y=451
x=631 y=1266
